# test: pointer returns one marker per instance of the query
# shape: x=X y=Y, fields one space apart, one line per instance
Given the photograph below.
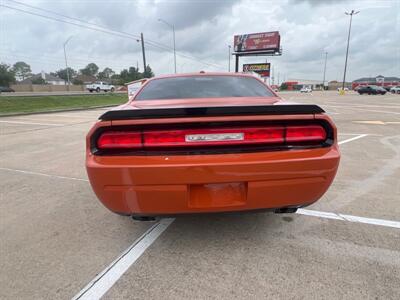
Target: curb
x=54 y=111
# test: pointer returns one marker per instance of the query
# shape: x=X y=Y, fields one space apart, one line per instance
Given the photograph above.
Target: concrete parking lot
x=58 y=241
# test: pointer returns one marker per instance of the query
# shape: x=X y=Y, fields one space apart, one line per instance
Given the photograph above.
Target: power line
x=101 y=29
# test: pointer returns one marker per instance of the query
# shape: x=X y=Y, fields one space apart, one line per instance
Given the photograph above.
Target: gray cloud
x=203 y=30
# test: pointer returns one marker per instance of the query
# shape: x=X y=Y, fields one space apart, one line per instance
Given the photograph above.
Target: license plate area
x=217 y=195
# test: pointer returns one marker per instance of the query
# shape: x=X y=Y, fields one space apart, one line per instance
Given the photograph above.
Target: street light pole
x=229 y=58
x=65 y=57
x=348 y=42
x=173 y=34
x=323 y=80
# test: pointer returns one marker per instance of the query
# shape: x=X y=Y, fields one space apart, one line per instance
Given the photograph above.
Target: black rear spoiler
x=155 y=113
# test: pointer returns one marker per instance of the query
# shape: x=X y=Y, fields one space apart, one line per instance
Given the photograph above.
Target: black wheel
x=112 y=90
x=286 y=210
x=98 y=90
x=91 y=91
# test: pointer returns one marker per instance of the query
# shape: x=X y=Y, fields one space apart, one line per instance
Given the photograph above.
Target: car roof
x=202 y=73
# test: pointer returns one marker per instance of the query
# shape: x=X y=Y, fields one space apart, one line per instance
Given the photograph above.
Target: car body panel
x=166 y=184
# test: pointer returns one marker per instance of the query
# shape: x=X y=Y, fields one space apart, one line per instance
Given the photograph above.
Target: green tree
x=116 y=79
x=284 y=86
x=105 y=74
x=62 y=73
x=91 y=70
x=22 y=70
x=148 y=73
x=77 y=81
x=7 y=75
x=130 y=74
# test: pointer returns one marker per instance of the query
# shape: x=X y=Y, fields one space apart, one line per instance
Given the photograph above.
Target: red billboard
x=263 y=41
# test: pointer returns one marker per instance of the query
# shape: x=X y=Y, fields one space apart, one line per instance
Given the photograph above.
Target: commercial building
x=297 y=84
x=378 y=80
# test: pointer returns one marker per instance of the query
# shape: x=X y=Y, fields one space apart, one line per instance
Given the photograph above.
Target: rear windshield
x=203 y=87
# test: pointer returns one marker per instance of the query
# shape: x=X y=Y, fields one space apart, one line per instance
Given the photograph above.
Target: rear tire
x=98 y=90
x=143 y=218
x=91 y=91
x=286 y=210
x=112 y=90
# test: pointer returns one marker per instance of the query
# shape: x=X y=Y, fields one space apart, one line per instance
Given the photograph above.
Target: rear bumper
x=156 y=185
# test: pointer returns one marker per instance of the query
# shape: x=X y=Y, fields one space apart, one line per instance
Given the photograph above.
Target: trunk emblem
x=214 y=137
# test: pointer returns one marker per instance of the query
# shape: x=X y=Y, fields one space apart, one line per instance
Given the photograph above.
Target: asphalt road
x=56 y=237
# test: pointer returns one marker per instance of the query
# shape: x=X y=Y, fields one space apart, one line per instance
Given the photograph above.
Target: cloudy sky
x=34 y=31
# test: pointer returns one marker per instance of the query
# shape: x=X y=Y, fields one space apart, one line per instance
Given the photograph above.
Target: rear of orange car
x=178 y=155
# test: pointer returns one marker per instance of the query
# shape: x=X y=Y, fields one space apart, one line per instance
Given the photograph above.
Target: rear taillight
x=120 y=139
x=311 y=133
x=212 y=137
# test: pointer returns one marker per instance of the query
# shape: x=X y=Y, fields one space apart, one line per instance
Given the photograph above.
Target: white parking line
x=352 y=139
x=31 y=123
x=106 y=279
x=42 y=174
x=349 y=218
x=110 y=275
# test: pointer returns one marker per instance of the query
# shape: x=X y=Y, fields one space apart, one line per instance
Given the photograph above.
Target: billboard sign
x=263 y=69
x=263 y=41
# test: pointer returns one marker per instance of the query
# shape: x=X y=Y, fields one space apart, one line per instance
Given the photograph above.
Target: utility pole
x=66 y=62
x=143 y=52
x=323 y=80
x=348 y=42
x=229 y=58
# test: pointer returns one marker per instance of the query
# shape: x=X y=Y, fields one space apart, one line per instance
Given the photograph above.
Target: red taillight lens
x=119 y=139
x=213 y=137
x=311 y=133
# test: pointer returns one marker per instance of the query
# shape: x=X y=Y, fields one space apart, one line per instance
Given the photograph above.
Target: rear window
x=203 y=87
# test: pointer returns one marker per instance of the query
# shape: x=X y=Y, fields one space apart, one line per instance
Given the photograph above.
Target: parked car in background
x=395 y=90
x=382 y=90
x=6 y=89
x=305 y=89
x=100 y=86
x=371 y=90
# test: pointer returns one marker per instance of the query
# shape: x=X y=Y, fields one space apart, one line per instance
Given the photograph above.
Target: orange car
x=210 y=142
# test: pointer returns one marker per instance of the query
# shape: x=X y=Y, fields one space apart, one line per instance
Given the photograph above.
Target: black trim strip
x=295 y=109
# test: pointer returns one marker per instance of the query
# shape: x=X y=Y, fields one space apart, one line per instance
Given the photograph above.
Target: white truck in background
x=100 y=86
